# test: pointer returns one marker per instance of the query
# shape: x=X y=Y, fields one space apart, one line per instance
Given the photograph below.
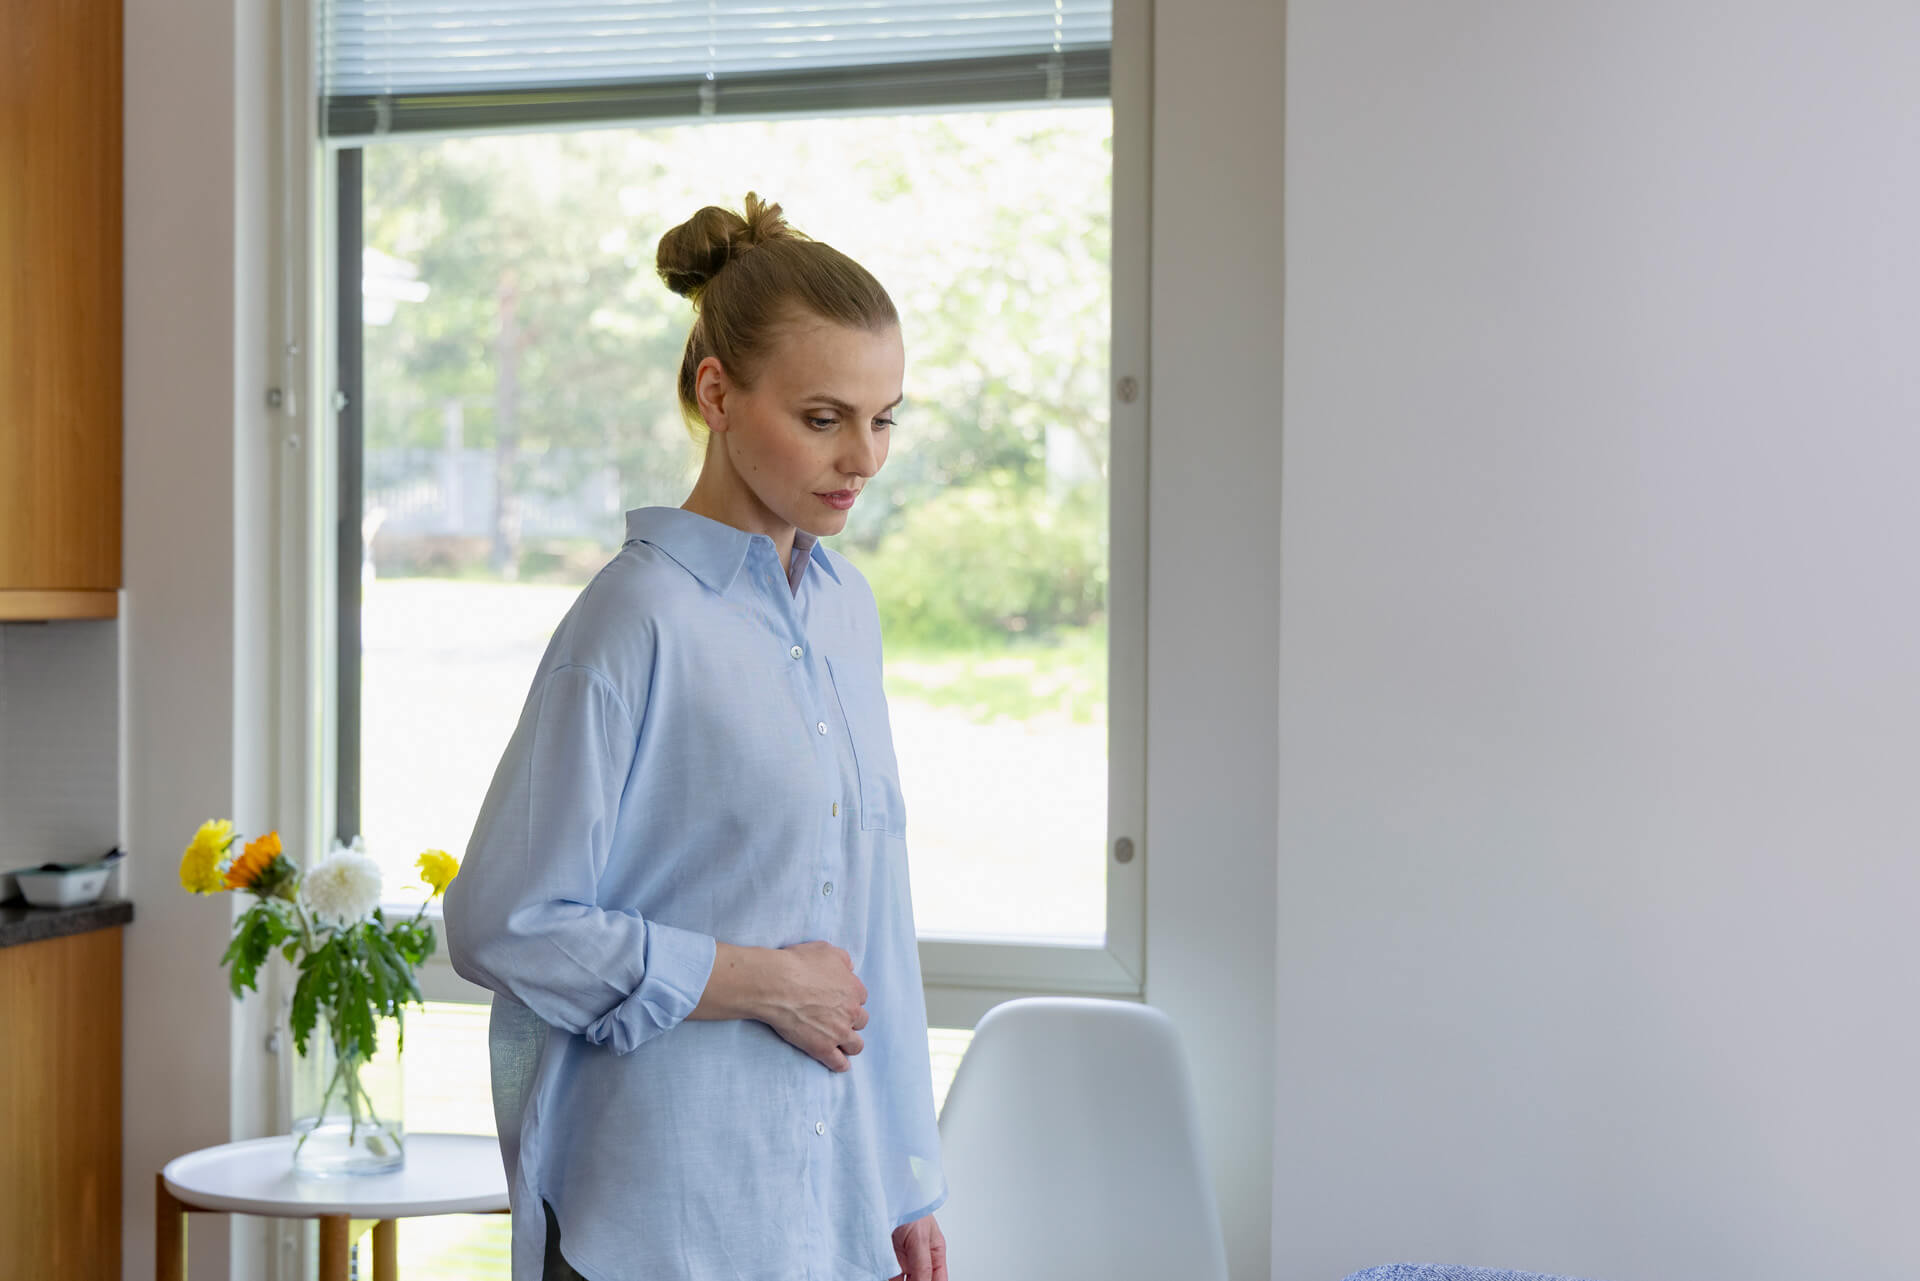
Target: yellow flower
x=437 y=868
x=200 y=865
x=245 y=872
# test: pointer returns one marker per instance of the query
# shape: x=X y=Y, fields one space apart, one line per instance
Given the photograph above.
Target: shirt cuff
x=678 y=964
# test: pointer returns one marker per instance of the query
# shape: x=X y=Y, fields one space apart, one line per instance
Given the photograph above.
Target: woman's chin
x=824 y=520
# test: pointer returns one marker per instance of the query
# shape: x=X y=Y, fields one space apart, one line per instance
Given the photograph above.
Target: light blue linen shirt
x=704 y=755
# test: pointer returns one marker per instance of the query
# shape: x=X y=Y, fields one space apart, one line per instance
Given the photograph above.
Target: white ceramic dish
x=68 y=887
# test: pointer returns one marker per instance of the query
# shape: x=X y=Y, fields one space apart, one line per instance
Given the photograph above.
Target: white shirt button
x=819 y=1127
x=823 y=727
x=796 y=651
x=827 y=888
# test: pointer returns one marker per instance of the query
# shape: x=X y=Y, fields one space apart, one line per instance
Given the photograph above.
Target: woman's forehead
x=839 y=360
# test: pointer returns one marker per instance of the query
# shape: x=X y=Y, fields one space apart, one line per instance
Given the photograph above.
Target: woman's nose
x=861 y=457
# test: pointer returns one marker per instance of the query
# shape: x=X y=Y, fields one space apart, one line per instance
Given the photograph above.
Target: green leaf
x=413 y=940
x=254 y=936
x=306 y=1005
x=358 y=976
x=391 y=973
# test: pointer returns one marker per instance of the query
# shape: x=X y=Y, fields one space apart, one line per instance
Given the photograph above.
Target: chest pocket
x=864 y=706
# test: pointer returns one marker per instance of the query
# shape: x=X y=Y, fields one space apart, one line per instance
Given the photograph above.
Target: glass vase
x=347 y=1103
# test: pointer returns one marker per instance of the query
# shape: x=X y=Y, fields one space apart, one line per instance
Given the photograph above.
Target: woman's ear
x=711 y=390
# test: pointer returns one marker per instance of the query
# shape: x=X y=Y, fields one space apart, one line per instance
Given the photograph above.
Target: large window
x=499 y=358
x=519 y=358
x=506 y=357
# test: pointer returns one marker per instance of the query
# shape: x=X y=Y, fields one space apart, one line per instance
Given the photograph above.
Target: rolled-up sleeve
x=522 y=918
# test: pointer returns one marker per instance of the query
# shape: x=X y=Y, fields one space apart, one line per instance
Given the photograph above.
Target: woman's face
x=814 y=427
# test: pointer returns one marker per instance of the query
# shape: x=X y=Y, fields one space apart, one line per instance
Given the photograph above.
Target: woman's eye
x=821 y=424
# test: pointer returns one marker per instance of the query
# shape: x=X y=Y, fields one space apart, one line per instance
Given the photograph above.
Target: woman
x=687 y=886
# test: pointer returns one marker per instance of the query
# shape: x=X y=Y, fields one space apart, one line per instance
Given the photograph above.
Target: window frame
x=963 y=977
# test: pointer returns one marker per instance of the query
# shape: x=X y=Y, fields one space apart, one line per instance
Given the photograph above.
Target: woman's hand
x=922 y=1251
x=821 y=1006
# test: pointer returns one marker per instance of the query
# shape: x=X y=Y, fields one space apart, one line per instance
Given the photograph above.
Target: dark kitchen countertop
x=21 y=922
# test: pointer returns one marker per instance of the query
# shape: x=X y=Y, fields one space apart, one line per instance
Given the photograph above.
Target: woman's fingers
x=853 y=1044
x=919 y=1259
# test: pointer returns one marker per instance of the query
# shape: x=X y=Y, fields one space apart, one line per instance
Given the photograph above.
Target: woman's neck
x=737 y=506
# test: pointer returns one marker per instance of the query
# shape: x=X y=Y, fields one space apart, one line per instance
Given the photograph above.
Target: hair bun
x=694 y=252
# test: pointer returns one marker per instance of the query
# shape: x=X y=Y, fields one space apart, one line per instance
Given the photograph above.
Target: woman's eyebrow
x=823 y=399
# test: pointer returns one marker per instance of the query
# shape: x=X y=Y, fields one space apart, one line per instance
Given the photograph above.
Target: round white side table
x=443 y=1174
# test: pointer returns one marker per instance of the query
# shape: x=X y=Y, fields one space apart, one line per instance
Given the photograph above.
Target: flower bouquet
x=355 y=968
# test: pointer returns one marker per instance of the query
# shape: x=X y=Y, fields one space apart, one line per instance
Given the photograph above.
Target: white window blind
x=391 y=66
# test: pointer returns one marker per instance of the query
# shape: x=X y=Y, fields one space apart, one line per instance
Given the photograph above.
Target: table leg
x=386 y=1251
x=334 y=1243
x=169 y=1234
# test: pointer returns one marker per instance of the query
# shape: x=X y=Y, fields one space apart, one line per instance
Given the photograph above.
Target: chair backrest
x=1072 y=1149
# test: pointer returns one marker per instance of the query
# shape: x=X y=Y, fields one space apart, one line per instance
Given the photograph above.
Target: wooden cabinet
x=60 y=1107
x=60 y=307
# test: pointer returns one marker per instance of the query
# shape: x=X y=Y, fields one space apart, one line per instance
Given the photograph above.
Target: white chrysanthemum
x=342 y=889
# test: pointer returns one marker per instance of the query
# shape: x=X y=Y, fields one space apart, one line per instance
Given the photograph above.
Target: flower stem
x=306 y=927
x=354 y=1091
x=326 y=1097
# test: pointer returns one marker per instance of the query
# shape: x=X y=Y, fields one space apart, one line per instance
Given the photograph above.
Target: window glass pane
x=947 y=1045
x=520 y=362
x=447 y=1087
x=448 y=1090
x=450 y=1247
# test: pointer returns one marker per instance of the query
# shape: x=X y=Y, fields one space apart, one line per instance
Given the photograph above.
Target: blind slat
x=514 y=13
x=391 y=65
x=587 y=63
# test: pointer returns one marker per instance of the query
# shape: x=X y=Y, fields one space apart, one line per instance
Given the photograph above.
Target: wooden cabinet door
x=60 y=1108
x=60 y=296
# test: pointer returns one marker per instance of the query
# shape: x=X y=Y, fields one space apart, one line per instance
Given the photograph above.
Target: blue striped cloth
x=1447 y=1272
x=705 y=756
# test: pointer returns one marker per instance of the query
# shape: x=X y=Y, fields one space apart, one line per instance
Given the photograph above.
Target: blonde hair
x=747 y=277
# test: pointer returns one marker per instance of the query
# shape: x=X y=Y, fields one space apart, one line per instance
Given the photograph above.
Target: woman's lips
x=839 y=498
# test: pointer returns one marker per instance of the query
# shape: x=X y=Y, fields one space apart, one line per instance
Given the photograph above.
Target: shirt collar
x=807 y=545
x=711 y=550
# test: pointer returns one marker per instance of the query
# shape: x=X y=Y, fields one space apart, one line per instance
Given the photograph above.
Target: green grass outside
x=1063 y=676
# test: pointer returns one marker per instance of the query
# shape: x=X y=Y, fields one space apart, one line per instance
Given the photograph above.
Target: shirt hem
x=929 y=1208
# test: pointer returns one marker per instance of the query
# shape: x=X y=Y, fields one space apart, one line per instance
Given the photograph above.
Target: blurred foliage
x=544 y=322
x=989 y=562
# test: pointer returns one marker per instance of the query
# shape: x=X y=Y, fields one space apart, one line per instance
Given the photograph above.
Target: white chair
x=1072 y=1149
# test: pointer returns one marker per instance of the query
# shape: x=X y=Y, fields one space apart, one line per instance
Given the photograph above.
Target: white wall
x=1600 y=641
x=59 y=743
x=1212 y=624
x=193 y=707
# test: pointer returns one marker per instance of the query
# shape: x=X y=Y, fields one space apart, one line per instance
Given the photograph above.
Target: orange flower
x=244 y=871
